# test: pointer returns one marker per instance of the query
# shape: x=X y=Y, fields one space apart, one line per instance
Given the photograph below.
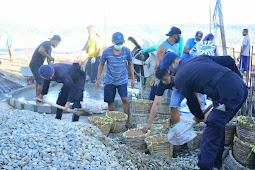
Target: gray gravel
x=30 y=140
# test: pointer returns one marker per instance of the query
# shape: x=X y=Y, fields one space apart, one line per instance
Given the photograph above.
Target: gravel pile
x=30 y=140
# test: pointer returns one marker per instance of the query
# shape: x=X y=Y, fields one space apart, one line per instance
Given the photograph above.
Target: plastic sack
x=181 y=133
x=95 y=106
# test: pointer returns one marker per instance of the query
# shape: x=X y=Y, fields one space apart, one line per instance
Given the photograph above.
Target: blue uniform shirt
x=66 y=74
x=117 y=65
x=195 y=73
x=189 y=44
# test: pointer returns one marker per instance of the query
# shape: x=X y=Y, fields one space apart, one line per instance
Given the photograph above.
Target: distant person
x=205 y=47
x=94 y=49
x=119 y=60
x=73 y=80
x=42 y=52
x=245 y=52
x=190 y=43
x=9 y=44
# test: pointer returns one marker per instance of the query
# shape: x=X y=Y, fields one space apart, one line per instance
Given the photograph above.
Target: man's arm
x=160 y=54
x=99 y=72
x=43 y=52
x=243 y=48
x=153 y=112
x=131 y=69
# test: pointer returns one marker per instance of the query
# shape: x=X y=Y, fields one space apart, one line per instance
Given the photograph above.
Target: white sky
x=84 y=12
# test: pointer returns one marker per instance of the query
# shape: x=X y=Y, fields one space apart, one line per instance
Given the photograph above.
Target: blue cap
x=118 y=38
x=174 y=30
x=45 y=71
x=167 y=60
x=208 y=37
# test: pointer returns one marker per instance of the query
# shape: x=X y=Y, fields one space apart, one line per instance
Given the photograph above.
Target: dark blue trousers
x=63 y=94
x=232 y=93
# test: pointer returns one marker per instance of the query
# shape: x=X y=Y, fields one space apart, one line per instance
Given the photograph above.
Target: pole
x=222 y=31
x=210 y=17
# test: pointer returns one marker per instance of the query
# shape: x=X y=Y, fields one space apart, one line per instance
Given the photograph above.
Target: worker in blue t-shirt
x=190 y=43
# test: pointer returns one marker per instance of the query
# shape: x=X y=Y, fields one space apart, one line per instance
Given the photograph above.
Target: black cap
x=56 y=37
x=174 y=30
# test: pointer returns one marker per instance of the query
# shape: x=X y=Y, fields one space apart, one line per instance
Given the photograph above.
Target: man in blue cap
x=219 y=79
x=73 y=79
x=190 y=43
x=119 y=60
x=42 y=52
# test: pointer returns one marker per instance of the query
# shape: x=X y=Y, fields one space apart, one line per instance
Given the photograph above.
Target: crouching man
x=220 y=80
x=73 y=80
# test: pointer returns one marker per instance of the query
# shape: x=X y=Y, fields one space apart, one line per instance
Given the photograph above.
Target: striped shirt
x=117 y=65
x=204 y=47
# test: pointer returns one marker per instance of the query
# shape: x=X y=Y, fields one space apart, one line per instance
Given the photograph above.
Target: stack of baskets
x=155 y=128
x=244 y=142
x=119 y=120
x=135 y=139
x=141 y=110
x=230 y=130
x=159 y=145
x=164 y=108
x=101 y=123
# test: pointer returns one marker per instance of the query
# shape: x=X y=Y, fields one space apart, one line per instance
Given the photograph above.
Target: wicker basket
x=244 y=152
x=164 y=108
x=232 y=164
x=135 y=139
x=230 y=130
x=141 y=106
x=246 y=129
x=159 y=145
x=101 y=123
x=155 y=128
x=163 y=120
x=119 y=120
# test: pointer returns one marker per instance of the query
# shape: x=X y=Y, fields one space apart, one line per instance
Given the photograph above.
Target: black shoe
x=75 y=118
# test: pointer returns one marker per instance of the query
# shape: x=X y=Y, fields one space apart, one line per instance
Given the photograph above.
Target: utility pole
x=222 y=31
x=210 y=16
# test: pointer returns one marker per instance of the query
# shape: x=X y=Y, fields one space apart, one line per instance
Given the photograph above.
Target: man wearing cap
x=94 y=49
x=190 y=43
x=119 y=60
x=42 y=52
x=218 y=78
x=206 y=47
x=73 y=80
x=245 y=52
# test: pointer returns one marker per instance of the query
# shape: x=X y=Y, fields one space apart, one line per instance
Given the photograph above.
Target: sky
x=114 y=12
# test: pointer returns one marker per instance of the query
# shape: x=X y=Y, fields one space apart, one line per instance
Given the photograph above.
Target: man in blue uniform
x=219 y=78
x=73 y=79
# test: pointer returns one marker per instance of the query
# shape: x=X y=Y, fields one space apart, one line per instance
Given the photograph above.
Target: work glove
x=93 y=60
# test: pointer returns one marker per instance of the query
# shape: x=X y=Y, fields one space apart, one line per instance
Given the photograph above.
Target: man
x=206 y=47
x=94 y=50
x=42 y=52
x=169 y=44
x=245 y=51
x=119 y=60
x=9 y=44
x=219 y=78
x=73 y=79
x=190 y=44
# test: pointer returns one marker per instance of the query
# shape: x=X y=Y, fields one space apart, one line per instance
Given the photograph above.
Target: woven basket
x=244 y=152
x=232 y=164
x=135 y=138
x=155 y=128
x=101 y=123
x=163 y=120
x=159 y=145
x=119 y=120
x=230 y=130
x=141 y=106
x=246 y=128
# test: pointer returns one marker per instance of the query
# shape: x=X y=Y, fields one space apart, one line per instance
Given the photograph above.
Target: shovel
x=182 y=132
x=77 y=111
